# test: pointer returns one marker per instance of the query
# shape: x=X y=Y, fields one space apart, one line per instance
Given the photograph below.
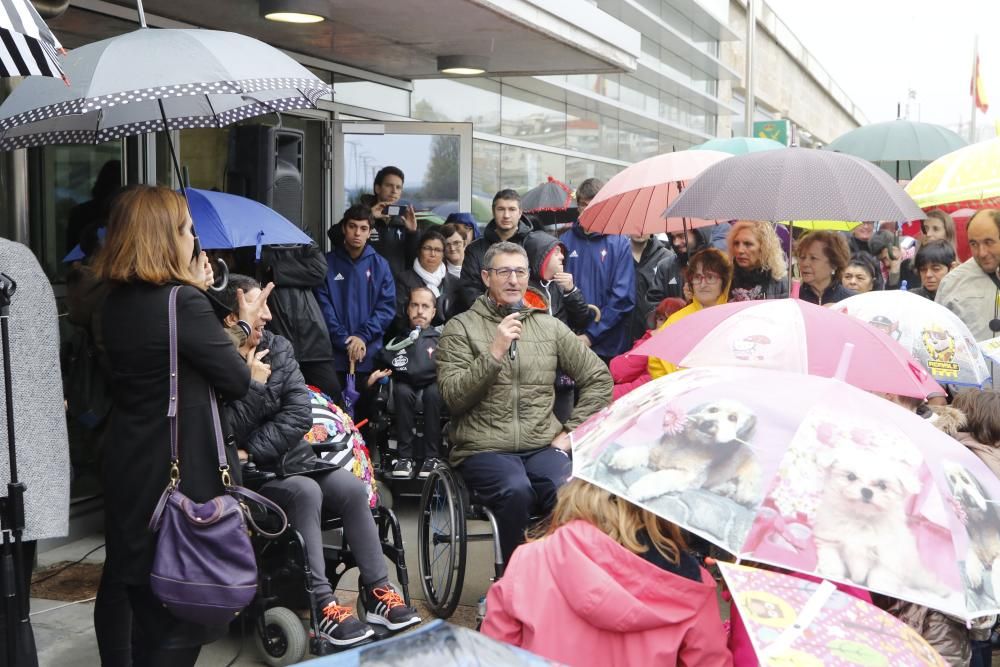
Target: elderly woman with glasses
x=428 y=271
x=710 y=274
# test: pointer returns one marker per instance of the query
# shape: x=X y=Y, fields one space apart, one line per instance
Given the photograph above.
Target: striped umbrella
x=27 y=46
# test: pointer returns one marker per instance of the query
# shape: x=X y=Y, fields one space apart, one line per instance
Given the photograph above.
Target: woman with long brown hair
x=150 y=248
x=606 y=582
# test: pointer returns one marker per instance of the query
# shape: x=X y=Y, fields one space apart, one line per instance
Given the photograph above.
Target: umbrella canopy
x=795 y=184
x=739 y=145
x=965 y=178
x=225 y=221
x=202 y=78
x=27 y=46
x=791 y=620
x=828 y=225
x=553 y=195
x=900 y=147
x=805 y=473
x=934 y=335
x=632 y=201
x=351 y=393
x=791 y=335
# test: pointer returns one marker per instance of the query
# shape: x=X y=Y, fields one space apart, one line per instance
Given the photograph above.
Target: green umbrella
x=900 y=147
x=739 y=145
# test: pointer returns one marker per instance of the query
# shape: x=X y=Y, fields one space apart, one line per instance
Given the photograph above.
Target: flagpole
x=975 y=80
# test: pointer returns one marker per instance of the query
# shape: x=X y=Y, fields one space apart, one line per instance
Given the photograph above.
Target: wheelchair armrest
x=254 y=477
x=321 y=448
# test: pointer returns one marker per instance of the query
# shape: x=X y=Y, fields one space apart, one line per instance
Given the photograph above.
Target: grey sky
x=877 y=50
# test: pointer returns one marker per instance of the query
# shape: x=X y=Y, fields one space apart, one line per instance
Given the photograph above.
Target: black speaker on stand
x=265 y=164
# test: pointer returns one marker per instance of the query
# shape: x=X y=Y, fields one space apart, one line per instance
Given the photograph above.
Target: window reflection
x=523 y=169
x=436 y=100
x=485 y=177
x=532 y=118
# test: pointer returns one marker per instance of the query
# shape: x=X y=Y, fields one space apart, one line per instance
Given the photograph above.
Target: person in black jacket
x=296 y=271
x=428 y=271
x=411 y=363
x=652 y=259
x=508 y=224
x=269 y=424
x=149 y=248
x=394 y=237
x=564 y=300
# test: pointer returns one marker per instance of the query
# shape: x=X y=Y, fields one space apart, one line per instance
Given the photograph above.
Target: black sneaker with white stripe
x=383 y=605
x=338 y=626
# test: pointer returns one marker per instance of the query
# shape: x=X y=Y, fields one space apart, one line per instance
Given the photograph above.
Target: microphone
x=995 y=325
x=512 y=351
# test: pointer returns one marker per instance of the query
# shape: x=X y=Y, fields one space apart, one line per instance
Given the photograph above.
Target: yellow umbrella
x=829 y=225
x=966 y=178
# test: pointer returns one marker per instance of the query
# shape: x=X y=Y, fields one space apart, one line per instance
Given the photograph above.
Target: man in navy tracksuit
x=603 y=269
x=358 y=297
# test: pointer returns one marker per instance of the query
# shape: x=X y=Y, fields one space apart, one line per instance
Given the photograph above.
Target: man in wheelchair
x=497 y=367
x=268 y=425
x=410 y=361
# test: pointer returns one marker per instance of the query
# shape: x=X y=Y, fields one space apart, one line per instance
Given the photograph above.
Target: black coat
x=570 y=308
x=656 y=267
x=296 y=314
x=475 y=252
x=272 y=419
x=137 y=446
x=447 y=304
x=832 y=294
x=414 y=365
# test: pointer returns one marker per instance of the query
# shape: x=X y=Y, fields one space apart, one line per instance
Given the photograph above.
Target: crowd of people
x=511 y=334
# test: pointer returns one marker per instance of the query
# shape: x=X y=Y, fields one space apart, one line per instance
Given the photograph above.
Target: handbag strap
x=175 y=472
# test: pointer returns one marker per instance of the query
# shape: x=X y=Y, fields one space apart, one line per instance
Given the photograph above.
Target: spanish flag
x=978 y=91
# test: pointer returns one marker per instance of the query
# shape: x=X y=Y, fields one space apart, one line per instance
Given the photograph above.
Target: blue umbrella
x=225 y=221
x=350 y=393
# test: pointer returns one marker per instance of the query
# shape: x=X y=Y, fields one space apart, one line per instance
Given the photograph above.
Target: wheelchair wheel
x=284 y=639
x=441 y=542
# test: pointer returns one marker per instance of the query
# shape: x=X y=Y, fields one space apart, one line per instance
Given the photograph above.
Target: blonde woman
x=607 y=583
x=759 y=268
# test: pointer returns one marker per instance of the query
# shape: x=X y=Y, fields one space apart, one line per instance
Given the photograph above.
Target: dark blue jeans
x=515 y=486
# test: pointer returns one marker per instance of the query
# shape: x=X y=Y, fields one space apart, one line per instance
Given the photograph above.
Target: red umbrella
x=632 y=202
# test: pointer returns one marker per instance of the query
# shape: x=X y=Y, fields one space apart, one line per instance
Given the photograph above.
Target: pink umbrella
x=633 y=201
x=791 y=335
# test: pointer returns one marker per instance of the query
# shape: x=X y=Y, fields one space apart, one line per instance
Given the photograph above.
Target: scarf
x=454 y=269
x=749 y=285
x=432 y=280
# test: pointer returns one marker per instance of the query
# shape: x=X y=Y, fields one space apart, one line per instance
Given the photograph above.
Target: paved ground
x=64 y=632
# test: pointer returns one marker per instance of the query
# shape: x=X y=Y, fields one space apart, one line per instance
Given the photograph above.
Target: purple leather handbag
x=204 y=569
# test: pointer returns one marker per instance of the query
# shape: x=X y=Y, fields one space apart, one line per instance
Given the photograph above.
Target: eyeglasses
x=433 y=250
x=505 y=273
x=454 y=244
x=707 y=278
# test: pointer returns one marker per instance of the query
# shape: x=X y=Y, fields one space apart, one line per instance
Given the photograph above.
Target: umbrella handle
x=351 y=371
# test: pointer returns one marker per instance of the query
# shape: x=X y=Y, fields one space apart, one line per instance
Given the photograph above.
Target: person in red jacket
x=630 y=371
x=607 y=583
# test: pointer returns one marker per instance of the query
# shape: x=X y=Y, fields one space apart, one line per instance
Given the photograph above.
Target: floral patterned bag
x=332 y=425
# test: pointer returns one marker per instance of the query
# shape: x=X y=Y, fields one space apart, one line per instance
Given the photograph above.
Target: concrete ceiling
x=396 y=38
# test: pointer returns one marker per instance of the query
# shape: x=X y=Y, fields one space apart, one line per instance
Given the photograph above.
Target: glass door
x=436 y=159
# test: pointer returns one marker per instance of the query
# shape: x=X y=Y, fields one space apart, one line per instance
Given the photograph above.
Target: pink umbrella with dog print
x=809 y=474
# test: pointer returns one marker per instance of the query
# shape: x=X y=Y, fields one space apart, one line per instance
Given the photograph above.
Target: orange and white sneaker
x=340 y=627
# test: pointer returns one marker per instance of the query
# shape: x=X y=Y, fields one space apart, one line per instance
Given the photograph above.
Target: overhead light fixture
x=295 y=11
x=464 y=65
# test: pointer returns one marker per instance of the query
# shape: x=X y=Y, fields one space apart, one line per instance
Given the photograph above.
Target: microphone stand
x=20 y=640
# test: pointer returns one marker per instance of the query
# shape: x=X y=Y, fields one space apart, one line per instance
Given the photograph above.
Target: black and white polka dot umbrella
x=137 y=82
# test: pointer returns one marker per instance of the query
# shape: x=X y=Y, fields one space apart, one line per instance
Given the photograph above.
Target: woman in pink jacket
x=607 y=584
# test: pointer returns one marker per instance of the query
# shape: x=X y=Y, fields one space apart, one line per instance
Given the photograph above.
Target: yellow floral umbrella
x=830 y=225
x=966 y=178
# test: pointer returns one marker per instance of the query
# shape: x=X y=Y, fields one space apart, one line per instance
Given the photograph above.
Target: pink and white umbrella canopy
x=791 y=335
x=633 y=201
